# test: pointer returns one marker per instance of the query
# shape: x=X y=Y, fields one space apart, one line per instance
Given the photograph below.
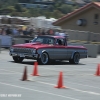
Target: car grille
x=23 y=50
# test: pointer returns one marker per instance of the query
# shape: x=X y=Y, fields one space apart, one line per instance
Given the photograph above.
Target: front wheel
x=18 y=59
x=44 y=59
x=76 y=59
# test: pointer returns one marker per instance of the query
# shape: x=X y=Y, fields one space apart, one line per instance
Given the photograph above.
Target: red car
x=46 y=49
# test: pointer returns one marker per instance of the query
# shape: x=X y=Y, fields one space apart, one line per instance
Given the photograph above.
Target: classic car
x=47 y=48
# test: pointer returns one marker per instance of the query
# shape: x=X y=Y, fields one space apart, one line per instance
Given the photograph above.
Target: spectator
x=3 y=32
x=20 y=31
x=57 y=32
x=0 y=31
x=8 y=31
x=51 y=32
x=30 y=32
x=15 y=31
x=25 y=32
x=43 y=32
x=39 y=31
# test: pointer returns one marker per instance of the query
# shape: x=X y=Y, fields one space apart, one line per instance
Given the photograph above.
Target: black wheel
x=44 y=59
x=18 y=59
x=76 y=59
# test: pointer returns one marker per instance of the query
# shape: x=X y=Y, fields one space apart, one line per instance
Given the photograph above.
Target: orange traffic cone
x=24 y=78
x=35 y=70
x=98 y=70
x=60 y=81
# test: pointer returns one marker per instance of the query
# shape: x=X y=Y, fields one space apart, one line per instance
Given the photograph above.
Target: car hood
x=37 y=45
x=32 y=45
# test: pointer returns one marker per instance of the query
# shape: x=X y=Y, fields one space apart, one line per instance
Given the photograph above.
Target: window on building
x=96 y=16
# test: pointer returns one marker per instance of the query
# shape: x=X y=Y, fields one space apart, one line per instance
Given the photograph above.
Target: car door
x=60 y=51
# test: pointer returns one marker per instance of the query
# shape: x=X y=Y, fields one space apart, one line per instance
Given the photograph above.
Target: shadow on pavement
x=54 y=63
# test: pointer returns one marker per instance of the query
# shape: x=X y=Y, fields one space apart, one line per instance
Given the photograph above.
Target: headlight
x=11 y=49
x=33 y=51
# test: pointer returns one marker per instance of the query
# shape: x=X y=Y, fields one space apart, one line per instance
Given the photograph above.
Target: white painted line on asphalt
x=54 y=69
x=38 y=91
x=46 y=74
x=68 y=87
x=45 y=83
x=11 y=71
x=8 y=73
x=84 y=85
x=77 y=84
x=89 y=92
x=52 y=79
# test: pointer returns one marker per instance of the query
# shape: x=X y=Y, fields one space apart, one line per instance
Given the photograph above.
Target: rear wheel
x=75 y=59
x=18 y=59
x=44 y=59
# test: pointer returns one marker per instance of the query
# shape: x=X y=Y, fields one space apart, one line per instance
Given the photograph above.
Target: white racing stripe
x=38 y=91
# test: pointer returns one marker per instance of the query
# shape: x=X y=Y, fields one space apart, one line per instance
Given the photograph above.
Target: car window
x=50 y=41
x=44 y=40
x=39 y=40
x=60 y=41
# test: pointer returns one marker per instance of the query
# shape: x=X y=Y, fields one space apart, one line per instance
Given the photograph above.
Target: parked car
x=46 y=49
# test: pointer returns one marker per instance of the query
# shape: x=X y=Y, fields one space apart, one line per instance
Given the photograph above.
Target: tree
x=59 y=1
x=12 y=7
x=23 y=1
x=66 y=8
x=18 y=8
x=56 y=14
x=51 y=8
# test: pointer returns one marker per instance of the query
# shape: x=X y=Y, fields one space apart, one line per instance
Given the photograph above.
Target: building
x=86 y=18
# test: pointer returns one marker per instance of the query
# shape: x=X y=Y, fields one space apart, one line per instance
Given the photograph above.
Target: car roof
x=53 y=36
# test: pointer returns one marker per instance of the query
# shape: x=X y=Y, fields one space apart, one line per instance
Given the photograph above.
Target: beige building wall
x=88 y=14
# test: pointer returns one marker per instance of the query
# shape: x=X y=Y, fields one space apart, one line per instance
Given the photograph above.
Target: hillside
x=32 y=8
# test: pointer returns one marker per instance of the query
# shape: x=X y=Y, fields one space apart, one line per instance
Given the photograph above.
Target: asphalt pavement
x=80 y=80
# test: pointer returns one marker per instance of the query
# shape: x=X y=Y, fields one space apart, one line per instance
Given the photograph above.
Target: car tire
x=18 y=59
x=44 y=59
x=76 y=59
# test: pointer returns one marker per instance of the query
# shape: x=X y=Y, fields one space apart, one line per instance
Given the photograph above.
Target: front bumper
x=24 y=55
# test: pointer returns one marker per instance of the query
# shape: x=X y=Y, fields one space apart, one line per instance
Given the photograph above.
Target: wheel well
x=74 y=54
x=46 y=53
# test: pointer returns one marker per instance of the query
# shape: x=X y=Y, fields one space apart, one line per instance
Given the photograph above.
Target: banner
x=6 y=41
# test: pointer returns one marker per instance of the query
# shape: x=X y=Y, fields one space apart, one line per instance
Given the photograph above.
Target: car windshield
x=44 y=40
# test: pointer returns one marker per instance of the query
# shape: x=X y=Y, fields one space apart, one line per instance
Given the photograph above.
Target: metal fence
x=83 y=36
